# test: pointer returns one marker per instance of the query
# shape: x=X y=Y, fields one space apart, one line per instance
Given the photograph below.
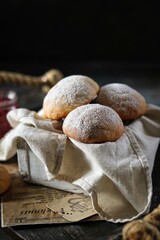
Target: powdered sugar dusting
x=93 y=122
x=73 y=90
x=126 y=101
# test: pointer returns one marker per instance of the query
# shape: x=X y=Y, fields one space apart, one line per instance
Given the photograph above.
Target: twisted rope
x=46 y=81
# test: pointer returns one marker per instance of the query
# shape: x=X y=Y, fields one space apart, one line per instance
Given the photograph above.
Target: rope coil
x=46 y=81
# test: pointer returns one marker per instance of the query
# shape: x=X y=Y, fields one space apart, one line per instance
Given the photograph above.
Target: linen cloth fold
x=116 y=175
x=41 y=136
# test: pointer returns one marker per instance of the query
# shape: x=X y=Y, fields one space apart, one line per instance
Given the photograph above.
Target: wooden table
x=146 y=82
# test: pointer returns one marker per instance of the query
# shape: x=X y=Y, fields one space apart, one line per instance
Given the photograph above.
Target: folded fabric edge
x=143 y=160
x=59 y=158
x=91 y=192
x=145 y=165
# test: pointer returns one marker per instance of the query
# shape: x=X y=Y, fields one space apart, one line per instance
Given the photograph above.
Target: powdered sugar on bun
x=93 y=123
x=126 y=101
x=68 y=94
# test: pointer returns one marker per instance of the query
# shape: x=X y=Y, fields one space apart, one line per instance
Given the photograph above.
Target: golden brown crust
x=126 y=101
x=140 y=230
x=5 y=179
x=68 y=94
x=93 y=123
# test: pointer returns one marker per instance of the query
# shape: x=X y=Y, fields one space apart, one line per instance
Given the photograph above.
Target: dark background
x=59 y=31
x=111 y=41
x=108 y=40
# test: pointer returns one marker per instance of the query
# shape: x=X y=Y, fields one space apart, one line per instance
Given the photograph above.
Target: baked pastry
x=93 y=123
x=126 y=101
x=140 y=230
x=5 y=179
x=68 y=94
x=154 y=218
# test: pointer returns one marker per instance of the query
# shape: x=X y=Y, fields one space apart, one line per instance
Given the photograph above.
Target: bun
x=5 y=179
x=68 y=94
x=126 y=101
x=93 y=123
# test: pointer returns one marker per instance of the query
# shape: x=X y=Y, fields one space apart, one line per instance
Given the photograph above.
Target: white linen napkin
x=44 y=140
x=116 y=175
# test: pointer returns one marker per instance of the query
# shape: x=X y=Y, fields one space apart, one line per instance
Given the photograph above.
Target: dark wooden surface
x=144 y=78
